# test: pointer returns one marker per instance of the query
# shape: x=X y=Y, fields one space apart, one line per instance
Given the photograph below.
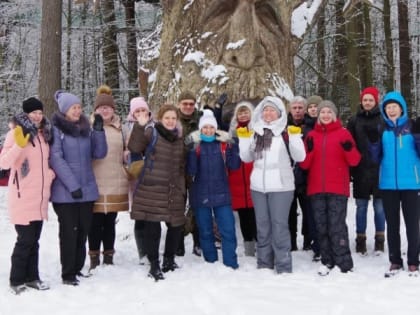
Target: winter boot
x=379 y=241
x=108 y=257
x=361 y=244
x=138 y=236
x=249 y=247
x=293 y=244
x=94 y=259
x=169 y=264
x=155 y=271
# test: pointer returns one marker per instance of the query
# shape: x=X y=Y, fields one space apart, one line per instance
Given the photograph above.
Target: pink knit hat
x=135 y=104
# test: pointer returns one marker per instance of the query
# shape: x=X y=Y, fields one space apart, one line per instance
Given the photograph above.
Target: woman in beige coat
x=112 y=182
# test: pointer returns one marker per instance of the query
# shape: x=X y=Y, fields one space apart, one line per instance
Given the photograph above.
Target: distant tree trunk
x=50 y=56
x=110 y=47
x=389 y=76
x=131 y=47
x=68 y=45
x=405 y=61
x=320 y=50
x=340 y=77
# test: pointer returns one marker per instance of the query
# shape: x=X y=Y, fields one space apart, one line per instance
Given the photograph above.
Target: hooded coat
x=30 y=176
x=398 y=151
x=273 y=172
x=75 y=146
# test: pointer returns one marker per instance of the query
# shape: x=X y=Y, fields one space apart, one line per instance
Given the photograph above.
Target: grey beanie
x=329 y=104
x=314 y=99
x=65 y=100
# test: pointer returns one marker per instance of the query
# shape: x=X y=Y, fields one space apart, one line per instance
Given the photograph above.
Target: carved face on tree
x=242 y=47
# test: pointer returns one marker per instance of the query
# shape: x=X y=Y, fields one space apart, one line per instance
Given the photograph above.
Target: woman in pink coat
x=25 y=152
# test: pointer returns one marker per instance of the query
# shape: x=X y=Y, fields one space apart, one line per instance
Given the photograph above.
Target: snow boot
x=361 y=244
x=379 y=242
x=249 y=247
x=155 y=271
x=94 y=259
x=108 y=257
x=169 y=264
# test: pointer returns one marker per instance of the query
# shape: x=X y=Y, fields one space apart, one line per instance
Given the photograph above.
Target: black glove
x=98 y=123
x=77 y=194
x=415 y=128
x=222 y=99
x=310 y=144
x=372 y=133
x=347 y=145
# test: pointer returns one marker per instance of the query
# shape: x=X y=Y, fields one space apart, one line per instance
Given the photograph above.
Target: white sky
x=201 y=288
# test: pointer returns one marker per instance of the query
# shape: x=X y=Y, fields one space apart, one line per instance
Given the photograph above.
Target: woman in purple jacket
x=74 y=189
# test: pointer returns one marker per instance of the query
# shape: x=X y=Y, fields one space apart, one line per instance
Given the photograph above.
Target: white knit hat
x=207 y=119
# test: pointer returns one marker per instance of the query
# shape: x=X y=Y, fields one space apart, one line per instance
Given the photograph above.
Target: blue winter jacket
x=397 y=152
x=208 y=167
x=75 y=146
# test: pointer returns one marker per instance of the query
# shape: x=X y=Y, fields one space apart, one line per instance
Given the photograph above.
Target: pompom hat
x=104 y=97
x=135 y=104
x=65 y=100
x=31 y=104
x=372 y=91
x=207 y=119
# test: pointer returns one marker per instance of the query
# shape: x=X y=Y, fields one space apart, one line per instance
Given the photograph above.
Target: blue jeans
x=361 y=215
x=226 y=224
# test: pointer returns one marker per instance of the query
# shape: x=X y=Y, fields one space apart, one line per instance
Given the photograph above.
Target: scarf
x=170 y=135
x=263 y=143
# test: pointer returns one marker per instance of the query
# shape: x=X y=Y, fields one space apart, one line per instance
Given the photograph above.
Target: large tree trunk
x=389 y=81
x=243 y=48
x=405 y=61
x=50 y=57
x=131 y=47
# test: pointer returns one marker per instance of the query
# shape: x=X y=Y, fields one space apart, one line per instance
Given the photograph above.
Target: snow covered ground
x=202 y=288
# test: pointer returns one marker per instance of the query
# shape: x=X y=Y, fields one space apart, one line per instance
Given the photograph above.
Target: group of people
x=260 y=164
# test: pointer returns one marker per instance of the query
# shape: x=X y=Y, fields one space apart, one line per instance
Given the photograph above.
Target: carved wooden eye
x=269 y=17
x=219 y=10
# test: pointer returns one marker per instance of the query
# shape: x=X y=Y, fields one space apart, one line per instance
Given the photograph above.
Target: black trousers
x=74 y=223
x=152 y=232
x=330 y=212
x=102 y=230
x=409 y=202
x=25 y=254
x=293 y=223
x=247 y=224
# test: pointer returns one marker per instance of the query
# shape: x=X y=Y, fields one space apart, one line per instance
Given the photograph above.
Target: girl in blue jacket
x=397 y=151
x=212 y=153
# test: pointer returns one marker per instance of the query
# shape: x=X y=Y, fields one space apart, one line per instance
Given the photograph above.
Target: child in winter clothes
x=397 y=149
x=25 y=152
x=212 y=153
x=272 y=179
x=239 y=182
x=330 y=152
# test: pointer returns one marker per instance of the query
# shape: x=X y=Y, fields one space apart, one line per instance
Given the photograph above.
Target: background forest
x=375 y=43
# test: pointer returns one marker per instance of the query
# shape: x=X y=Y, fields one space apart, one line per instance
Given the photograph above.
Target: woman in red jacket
x=239 y=182
x=330 y=152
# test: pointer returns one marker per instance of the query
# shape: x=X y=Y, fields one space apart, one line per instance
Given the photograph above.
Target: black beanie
x=31 y=104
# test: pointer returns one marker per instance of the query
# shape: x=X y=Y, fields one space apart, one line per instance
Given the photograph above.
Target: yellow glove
x=244 y=132
x=293 y=130
x=21 y=140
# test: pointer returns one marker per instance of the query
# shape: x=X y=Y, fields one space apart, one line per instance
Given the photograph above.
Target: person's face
x=270 y=114
x=138 y=111
x=297 y=110
x=368 y=102
x=245 y=44
x=393 y=111
x=36 y=117
x=107 y=112
x=208 y=130
x=169 y=120
x=326 y=115
x=313 y=110
x=74 y=112
x=243 y=115
x=187 y=107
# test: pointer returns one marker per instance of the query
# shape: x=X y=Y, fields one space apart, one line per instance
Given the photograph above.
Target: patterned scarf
x=263 y=143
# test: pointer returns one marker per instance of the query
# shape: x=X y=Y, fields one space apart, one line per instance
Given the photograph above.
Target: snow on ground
x=201 y=288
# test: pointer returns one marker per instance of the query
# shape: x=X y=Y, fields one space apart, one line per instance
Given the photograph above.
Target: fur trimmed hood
x=79 y=128
x=194 y=137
